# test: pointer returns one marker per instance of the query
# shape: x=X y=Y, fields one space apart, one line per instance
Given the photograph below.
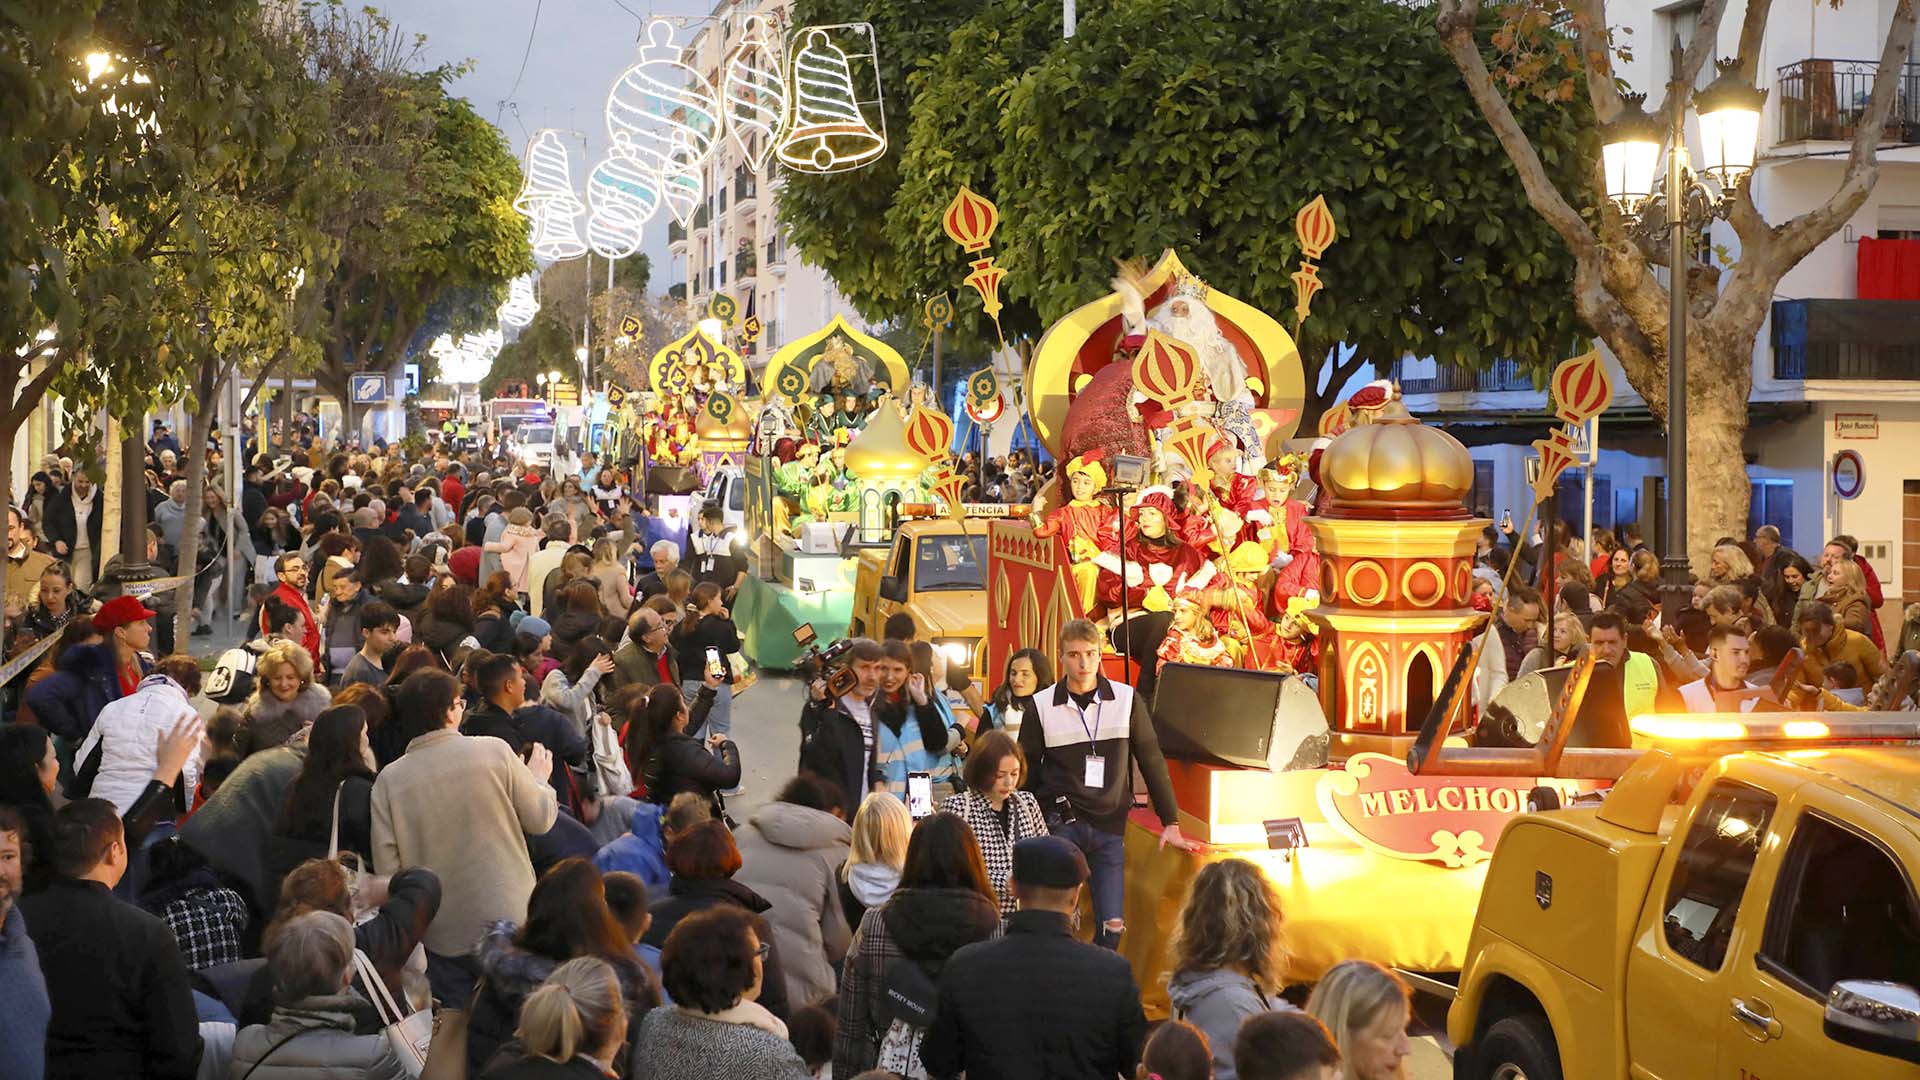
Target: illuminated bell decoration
x=555 y=238
x=548 y=177
x=828 y=132
x=754 y=93
x=1316 y=230
x=661 y=104
x=1582 y=388
x=520 y=306
x=970 y=220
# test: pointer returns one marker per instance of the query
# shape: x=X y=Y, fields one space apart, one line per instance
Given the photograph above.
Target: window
x=1843 y=910
x=1711 y=875
x=1770 y=502
x=1626 y=507
x=949 y=562
x=1482 y=497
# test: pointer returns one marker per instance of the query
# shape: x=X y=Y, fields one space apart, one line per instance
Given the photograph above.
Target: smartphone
x=1506 y=519
x=920 y=794
x=714 y=666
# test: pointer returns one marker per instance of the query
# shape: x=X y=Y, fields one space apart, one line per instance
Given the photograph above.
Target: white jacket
x=127 y=734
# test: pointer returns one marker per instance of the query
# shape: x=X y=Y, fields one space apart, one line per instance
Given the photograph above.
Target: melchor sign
x=1452 y=820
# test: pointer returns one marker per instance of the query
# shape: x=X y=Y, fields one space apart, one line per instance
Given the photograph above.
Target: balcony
x=677 y=293
x=744 y=265
x=1825 y=99
x=777 y=257
x=700 y=220
x=1846 y=339
x=1502 y=376
x=745 y=191
x=676 y=236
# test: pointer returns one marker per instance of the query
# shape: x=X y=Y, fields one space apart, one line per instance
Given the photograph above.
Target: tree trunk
x=206 y=386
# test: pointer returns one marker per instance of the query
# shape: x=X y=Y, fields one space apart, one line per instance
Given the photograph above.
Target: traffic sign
x=1849 y=474
x=368 y=388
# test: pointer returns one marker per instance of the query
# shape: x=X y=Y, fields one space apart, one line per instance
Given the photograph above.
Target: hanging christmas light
x=683 y=185
x=829 y=131
x=622 y=187
x=520 y=306
x=661 y=101
x=547 y=198
x=555 y=236
x=612 y=235
x=755 y=93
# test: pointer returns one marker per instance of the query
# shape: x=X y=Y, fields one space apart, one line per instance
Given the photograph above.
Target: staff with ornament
x=1088 y=525
x=1234 y=605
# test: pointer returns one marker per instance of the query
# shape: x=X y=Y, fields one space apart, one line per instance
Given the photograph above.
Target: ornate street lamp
x=1678 y=208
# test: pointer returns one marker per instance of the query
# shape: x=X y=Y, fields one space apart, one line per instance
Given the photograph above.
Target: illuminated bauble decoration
x=1395 y=462
x=661 y=102
x=622 y=196
x=611 y=235
x=683 y=185
x=520 y=306
x=754 y=93
x=828 y=132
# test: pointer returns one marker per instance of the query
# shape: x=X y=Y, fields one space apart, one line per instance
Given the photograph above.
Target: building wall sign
x=1856 y=425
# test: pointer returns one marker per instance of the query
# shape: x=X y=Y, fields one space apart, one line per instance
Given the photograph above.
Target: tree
x=428 y=214
x=839 y=222
x=1204 y=126
x=549 y=341
x=1614 y=289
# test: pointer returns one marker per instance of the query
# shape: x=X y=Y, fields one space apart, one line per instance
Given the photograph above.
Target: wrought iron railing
x=1846 y=339
x=1499 y=376
x=1826 y=99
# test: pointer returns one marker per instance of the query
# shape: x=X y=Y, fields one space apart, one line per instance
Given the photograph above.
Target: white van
x=534 y=444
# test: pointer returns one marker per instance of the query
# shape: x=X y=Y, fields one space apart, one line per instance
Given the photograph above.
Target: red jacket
x=309 y=627
x=452 y=491
x=1875 y=597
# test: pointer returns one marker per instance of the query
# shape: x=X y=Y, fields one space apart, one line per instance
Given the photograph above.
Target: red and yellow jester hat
x=1088 y=463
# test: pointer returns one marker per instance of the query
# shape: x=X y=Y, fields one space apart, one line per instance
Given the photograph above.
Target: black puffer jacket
x=509 y=973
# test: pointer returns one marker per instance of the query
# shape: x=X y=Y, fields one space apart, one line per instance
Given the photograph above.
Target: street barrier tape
x=138 y=589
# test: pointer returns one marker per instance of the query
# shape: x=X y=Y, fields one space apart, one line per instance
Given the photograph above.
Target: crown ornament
x=1188 y=287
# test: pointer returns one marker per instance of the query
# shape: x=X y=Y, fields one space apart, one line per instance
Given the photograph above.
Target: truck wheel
x=1519 y=1048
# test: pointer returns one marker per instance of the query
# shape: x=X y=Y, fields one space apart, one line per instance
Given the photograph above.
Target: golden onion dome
x=880 y=451
x=1395 y=463
x=724 y=419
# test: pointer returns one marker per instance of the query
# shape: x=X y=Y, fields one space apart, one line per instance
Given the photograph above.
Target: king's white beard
x=1219 y=361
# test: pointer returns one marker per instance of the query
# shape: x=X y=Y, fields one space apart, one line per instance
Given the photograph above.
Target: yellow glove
x=1156 y=600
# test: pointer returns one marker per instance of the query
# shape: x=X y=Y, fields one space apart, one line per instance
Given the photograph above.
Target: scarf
x=750 y=1013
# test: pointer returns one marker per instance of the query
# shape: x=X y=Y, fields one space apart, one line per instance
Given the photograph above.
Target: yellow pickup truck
x=935 y=571
x=1747 y=915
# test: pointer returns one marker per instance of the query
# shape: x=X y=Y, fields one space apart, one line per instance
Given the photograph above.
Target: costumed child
x=1288 y=539
x=1236 y=609
x=1159 y=562
x=1297 y=650
x=1192 y=639
x=1088 y=525
x=1232 y=509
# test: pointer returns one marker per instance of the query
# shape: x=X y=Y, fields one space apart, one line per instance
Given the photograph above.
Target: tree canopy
x=1204 y=126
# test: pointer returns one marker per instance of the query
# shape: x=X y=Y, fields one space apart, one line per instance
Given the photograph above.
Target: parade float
x=1303 y=602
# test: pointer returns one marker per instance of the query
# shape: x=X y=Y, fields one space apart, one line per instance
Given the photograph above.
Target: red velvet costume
x=1303 y=572
x=1089 y=528
x=1170 y=563
x=1242 y=495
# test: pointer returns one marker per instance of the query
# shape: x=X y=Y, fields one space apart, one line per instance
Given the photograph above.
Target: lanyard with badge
x=1096 y=774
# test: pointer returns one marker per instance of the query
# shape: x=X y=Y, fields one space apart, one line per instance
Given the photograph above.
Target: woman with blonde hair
x=1366 y=1007
x=1228 y=955
x=1847 y=595
x=573 y=1025
x=616 y=595
x=1730 y=564
x=881 y=829
x=285 y=697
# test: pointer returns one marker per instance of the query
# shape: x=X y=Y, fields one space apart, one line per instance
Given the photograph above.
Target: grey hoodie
x=1216 y=1001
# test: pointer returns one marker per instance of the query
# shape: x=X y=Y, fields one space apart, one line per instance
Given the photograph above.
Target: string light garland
x=755 y=94
x=829 y=131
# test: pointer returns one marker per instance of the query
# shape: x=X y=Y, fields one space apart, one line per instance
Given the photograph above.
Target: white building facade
x=1831 y=371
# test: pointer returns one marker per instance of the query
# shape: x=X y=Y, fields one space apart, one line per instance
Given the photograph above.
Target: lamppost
x=1677 y=208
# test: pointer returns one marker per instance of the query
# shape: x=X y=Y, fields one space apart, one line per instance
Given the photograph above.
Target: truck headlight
x=958 y=651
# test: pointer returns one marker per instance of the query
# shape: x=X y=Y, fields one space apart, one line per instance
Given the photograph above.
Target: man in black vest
x=1081 y=748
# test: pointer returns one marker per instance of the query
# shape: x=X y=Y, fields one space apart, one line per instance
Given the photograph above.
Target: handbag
x=609 y=760
x=447 y=1057
x=409 y=1034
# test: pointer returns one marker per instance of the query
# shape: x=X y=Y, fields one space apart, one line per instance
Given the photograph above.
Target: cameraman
x=836 y=736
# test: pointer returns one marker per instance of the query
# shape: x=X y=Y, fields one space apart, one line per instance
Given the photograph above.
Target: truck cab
x=1750 y=915
x=727 y=489
x=935 y=570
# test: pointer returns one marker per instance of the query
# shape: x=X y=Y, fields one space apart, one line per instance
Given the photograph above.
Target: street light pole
x=1677 y=585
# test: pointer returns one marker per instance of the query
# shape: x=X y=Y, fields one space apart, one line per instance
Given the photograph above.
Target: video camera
x=825 y=663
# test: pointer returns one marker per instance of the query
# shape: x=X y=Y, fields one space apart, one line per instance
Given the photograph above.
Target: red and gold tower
x=1397 y=545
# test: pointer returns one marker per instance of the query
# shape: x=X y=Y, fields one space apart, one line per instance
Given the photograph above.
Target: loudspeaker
x=1230 y=716
x=1529 y=701
x=672 y=480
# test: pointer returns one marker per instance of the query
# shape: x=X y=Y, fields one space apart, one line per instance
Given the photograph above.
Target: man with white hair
x=170 y=514
x=1185 y=317
x=666 y=558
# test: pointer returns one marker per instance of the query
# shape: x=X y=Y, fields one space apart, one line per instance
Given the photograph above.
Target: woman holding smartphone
x=912 y=733
x=704 y=640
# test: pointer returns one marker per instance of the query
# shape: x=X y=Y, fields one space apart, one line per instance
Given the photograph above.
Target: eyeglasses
x=764 y=950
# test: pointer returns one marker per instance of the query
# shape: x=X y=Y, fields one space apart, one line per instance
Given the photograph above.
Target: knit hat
x=533 y=624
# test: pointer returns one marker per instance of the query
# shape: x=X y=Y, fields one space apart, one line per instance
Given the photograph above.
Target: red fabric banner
x=1889 y=269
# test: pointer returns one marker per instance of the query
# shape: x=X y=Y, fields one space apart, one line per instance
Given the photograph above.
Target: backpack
x=908 y=997
x=231 y=681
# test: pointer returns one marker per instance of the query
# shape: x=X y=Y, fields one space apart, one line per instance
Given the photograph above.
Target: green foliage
x=1204 y=126
x=840 y=221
